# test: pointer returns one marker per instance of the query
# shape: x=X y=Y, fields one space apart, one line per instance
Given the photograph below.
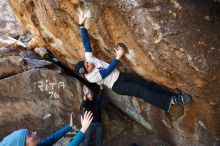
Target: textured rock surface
x=33 y=96
x=16 y=59
x=8 y=23
x=24 y=93
x=172 y=42
x=36 y=95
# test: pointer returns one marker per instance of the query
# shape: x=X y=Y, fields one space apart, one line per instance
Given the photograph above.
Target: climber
x=100 y=72
x=47 y=55
x=24 y=137
x=92 y=102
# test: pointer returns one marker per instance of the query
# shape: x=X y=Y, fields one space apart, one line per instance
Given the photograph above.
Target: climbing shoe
x=182 y=99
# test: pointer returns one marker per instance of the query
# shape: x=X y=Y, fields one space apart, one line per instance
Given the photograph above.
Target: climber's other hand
x=119 y=52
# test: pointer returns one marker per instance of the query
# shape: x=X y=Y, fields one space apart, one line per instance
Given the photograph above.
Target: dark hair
x=80 y=68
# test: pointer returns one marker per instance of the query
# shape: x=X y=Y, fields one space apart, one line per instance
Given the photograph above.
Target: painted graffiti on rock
x=50 y=87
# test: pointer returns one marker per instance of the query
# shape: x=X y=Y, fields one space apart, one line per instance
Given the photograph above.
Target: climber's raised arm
x=85 y=38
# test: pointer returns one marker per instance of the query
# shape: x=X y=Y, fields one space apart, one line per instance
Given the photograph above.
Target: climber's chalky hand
x=82 y=18
x=119 y=52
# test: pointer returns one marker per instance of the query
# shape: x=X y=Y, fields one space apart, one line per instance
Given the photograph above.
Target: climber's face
x=88 y=93
x=89 y=66
x=32 y=139
x=89 y=96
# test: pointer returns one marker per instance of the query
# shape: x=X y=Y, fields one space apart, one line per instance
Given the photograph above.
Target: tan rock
x=7 y=68
x=16 y=60
x=41 y=51
x=138 y=25
x=9 y=26
x=12 y=65
x=33 y=43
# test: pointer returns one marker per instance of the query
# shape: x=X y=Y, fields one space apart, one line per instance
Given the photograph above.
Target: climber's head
x=21 y=138
x=83 y=67
x=88 y=93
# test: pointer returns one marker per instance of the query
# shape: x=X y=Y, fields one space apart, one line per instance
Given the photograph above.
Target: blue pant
x=95 y=129
x=134 y=85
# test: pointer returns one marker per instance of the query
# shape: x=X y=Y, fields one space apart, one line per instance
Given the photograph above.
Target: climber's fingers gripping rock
x=82 y=18
x=119 y=52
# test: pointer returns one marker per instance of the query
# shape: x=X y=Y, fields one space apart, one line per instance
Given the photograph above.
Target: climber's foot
x=182 y=99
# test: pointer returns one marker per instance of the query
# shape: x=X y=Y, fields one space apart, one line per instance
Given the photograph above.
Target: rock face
x=174 y=43
x=33 y=96
x=8 y=23
x=42 y=91
x=38 y=95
